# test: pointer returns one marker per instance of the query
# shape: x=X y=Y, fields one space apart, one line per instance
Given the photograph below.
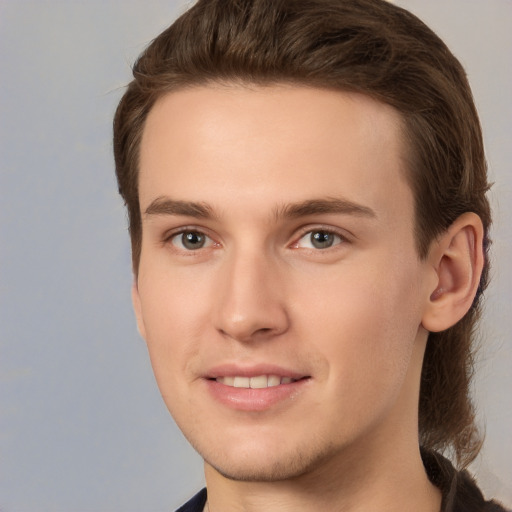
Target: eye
x=319 y=239
x=191 y=240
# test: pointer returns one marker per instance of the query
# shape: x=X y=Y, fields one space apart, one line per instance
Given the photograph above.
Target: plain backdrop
x=82 y=424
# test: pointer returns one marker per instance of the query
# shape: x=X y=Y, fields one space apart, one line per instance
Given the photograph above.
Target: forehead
x=279 y=143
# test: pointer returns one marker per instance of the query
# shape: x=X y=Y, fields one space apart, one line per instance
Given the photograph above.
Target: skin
x=351 y=317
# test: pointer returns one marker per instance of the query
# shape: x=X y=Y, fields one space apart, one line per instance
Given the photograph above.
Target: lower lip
x=247 y=399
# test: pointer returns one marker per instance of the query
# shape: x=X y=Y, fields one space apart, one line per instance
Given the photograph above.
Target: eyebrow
x=321 y=206
x=168 y=206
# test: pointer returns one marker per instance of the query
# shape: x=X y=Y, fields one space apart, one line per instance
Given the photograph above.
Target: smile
x=256 y=392
x=256 y=382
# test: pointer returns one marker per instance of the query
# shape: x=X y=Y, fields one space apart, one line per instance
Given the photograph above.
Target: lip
x=255 y=400
x=235 y=370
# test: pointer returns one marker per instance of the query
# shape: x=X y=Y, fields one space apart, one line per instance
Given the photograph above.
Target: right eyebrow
x=324 y=205
x=168 y=206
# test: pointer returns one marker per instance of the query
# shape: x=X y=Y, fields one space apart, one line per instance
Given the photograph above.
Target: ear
x=137 y=307
x=457 y=259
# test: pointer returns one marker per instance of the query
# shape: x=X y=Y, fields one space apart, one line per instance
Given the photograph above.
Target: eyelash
x=174 y=236
x=341 y=238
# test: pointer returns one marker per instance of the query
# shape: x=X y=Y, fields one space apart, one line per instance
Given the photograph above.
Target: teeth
x=241 y=382
x=273 y=380
x=258 y=382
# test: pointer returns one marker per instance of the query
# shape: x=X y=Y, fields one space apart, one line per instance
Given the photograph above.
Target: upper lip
x=254 y=370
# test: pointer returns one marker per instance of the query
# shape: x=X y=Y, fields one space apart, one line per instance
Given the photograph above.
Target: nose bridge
x=251 y=302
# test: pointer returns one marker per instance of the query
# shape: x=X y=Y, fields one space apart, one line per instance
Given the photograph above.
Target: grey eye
x=319 y=239
x=322 y=239
x=190 y=240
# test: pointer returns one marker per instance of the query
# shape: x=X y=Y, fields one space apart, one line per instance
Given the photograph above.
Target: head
x=367 y=47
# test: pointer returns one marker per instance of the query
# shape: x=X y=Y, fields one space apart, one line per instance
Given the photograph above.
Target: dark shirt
x=196 y=504
x=459 y=490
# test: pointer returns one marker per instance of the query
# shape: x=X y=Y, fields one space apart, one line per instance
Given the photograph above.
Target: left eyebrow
x=167 y=206
x=319 y=206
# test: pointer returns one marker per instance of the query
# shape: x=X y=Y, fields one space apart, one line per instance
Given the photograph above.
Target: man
x=305 y=183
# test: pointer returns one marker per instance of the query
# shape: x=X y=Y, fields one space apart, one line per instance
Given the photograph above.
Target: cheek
x=363 y=321
x=174 y=309
x=171 y=300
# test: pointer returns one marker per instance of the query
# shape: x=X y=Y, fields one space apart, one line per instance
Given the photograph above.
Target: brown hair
x=368 y=46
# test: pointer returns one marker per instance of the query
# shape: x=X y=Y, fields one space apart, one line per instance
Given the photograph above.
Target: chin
x=269 y=466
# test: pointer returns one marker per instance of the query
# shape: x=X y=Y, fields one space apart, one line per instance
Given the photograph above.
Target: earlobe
x=457 y=258
x=137 y=308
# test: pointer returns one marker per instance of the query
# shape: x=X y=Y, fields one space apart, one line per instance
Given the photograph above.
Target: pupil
x=322 y=239
x=192 y=240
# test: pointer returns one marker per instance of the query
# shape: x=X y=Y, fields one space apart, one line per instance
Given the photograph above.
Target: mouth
x=255 y=389
x=256 y=382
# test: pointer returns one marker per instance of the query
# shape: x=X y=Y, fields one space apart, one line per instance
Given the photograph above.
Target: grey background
x=82 y=424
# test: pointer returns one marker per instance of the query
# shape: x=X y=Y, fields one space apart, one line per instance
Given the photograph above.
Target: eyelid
x=171 y=234
x=343 y=234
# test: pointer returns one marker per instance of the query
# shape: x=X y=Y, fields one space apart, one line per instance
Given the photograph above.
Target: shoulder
x=196 y=504
x=459 y=489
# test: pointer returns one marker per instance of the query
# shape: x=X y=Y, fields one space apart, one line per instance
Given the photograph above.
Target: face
x=279 y=289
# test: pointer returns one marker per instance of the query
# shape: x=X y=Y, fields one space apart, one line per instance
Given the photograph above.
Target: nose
x=251 y=303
